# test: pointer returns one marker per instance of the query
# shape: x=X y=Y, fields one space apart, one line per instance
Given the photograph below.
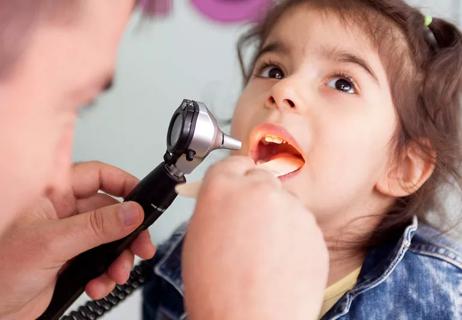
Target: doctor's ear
x=408 y=171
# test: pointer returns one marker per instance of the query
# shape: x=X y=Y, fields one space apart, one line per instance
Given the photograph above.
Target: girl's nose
x=283 y=97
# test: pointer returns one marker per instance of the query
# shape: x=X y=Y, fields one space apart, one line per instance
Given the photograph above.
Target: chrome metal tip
x=230 y=143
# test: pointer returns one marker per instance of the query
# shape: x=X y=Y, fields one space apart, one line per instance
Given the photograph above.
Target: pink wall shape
x=232 y=10
x=157 y=7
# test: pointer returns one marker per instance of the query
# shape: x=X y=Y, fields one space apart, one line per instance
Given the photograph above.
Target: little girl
x=365 y=96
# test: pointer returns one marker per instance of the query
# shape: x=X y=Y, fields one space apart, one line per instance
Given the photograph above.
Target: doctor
x=56 y=56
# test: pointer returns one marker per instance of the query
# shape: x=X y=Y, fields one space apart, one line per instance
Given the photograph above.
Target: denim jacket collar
x=378 y=265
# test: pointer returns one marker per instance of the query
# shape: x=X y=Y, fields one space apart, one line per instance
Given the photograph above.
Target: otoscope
x=192 y=134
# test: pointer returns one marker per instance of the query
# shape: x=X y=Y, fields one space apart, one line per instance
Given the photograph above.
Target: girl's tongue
x=282 y=164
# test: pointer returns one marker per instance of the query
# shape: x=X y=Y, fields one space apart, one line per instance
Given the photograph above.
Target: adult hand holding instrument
x=193 y=133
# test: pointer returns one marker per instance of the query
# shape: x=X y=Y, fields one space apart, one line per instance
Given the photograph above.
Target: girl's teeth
x=272 y=139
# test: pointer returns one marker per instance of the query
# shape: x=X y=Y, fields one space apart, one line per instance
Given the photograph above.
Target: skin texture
x=52 y=211
x=80 y=64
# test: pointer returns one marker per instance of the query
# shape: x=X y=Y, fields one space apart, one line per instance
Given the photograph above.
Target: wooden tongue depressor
x=279 y=167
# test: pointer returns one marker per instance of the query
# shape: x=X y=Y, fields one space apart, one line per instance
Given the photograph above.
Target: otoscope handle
x=154 y=193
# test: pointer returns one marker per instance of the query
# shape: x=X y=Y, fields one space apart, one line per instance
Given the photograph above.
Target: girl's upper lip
x=265 y=129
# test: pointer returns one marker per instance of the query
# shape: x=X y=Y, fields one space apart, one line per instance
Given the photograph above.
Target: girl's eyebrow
x=274 y=47
x=341 y=55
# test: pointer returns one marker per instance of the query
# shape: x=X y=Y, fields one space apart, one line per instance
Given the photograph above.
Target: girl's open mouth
x=273 y=147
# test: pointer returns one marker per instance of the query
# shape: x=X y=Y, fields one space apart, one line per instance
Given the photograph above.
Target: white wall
x=161 y=62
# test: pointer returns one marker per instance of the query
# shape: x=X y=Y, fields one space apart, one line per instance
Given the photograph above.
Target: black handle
x=155 y=193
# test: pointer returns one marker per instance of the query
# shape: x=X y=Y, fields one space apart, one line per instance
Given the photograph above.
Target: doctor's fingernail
x=128 y=213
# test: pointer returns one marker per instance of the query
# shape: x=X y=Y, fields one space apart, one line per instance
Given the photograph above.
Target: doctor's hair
x=19 y=17
x=423 y=62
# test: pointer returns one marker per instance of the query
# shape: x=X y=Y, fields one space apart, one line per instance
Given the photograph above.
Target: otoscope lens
x=177 y=128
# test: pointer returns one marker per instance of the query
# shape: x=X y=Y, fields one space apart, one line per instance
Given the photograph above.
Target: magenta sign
x=216 y=10
x=232 y=10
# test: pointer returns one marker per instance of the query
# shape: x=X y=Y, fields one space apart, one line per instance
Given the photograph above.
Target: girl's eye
x=271 y=71
x=343 y=83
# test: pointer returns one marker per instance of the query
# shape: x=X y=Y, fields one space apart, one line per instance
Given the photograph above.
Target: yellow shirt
x=337 y=290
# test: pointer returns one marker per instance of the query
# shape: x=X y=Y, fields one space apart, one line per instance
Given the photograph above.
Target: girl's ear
x=407 y=173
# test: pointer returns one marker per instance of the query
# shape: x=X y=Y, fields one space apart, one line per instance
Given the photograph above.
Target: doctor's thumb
x=85 y=231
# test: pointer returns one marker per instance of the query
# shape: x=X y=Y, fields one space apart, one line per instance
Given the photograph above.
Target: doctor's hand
x=252 y=250
x=40 y=242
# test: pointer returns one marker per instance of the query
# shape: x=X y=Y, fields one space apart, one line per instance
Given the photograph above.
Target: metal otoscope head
x=193 y=133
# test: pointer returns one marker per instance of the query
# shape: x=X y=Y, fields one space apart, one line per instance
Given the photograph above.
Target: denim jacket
x=418 y=276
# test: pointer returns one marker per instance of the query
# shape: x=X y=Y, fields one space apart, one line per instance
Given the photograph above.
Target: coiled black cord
x=95 y=309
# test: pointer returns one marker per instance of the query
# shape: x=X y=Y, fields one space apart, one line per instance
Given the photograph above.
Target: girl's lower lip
x=290 y=175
